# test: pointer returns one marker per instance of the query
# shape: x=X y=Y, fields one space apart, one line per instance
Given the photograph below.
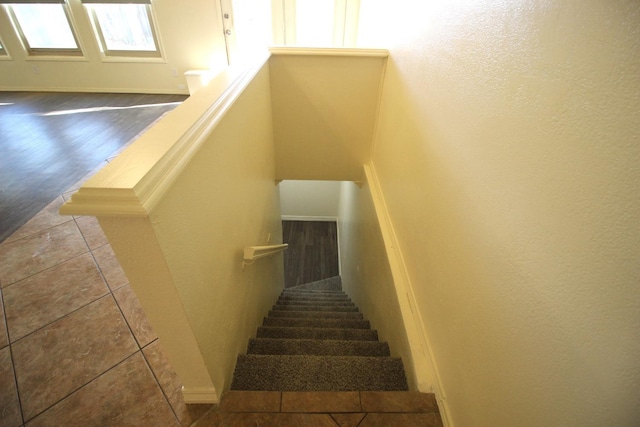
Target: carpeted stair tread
x=318 y=373
x=314 y=298
x=317 y=314
x=315 y=339
x=289 y=291
x=322 y=303
x=317 y=333
x=289 y=322
x=314 y=308
x=318 y=348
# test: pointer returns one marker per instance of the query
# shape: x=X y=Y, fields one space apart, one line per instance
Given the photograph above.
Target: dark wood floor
x=49 y=141
x=312 y=253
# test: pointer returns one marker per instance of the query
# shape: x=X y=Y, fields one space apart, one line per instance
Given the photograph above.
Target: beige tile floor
x=76 y=348
x=325 y=408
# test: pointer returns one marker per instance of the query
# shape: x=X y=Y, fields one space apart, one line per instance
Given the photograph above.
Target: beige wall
x=190 y=37
x=324 y=110
x=226 y=199
x=366 y=273
x=310 y=199
x=508 y=156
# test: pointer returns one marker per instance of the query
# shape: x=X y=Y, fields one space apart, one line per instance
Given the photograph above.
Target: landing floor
x=324 y=409
x=312 y=253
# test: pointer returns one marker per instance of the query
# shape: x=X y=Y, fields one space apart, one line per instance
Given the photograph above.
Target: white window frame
x=128 y=54
x=3 y=50
x=35 y=52
x=345 y=22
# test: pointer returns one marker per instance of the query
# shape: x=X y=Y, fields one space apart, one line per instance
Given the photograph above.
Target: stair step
x=315 y=297
x=314 y=308
x=317 y=314
x=318 y=373
x=290 y=322
x=320 y=302
x=312 y=292
x=317 y=333
x=318 y=348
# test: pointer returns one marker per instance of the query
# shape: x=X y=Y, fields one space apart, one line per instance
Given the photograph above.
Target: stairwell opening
x=310 y=227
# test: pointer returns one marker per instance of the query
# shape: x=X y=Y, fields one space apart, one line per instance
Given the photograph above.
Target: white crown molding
x=328 y=51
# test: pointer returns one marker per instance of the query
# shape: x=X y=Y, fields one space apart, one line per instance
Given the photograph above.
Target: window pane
x=45 y=26
x=314 y=22
x=125 y=26
x=374 y=15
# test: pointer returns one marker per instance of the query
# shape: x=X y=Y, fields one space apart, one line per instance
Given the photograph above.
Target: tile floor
x=76 y=348
x=330 y=409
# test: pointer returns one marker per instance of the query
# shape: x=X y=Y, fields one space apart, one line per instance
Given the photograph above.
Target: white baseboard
x=200 y=395
x=309 y=218
x=425 y=368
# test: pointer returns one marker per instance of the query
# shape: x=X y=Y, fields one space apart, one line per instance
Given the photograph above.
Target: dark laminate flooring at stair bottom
x=312 y=253
x=317 y=341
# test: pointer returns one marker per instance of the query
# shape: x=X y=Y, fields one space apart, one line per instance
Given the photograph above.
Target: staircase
x=316 y=362
x=314 y=339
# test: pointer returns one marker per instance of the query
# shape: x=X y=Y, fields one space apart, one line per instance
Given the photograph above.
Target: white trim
x=289 y=20
x=277 y=22
x=339 y=13
x=309 y=218
x=200 y=395
x=351 y=19
x=133 y=59
x=427 y=376
x=329 y=51
x=55 y=57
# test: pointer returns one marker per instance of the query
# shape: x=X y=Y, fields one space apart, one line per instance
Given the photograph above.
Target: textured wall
x=509 y=159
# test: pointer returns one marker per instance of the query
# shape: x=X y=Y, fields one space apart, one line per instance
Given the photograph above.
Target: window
x=326 y=23
x=44 y=26
x=3 y=52
x=373 y=16
x=124 y=27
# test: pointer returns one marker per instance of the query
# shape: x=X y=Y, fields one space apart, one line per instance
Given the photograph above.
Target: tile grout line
x=80 y=387
x=153 y=373
x=5 y=242
x=13 y=365
x=55 y=265
x=58 y=319
x=126 y=322
x=15 y=379
x=42 y=271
